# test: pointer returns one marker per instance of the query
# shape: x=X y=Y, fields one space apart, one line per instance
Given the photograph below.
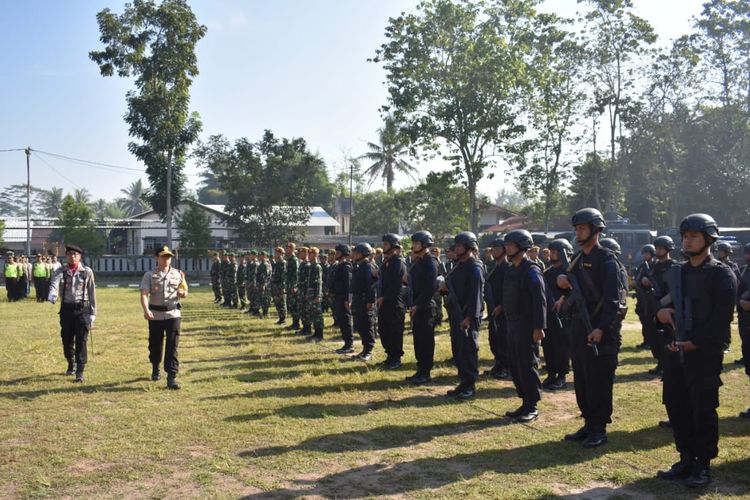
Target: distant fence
x=116 y=265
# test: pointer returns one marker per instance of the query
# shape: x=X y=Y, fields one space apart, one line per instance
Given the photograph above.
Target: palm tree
x=134 y=201
x=388 y=155
x=82 y=195
x=50 y=202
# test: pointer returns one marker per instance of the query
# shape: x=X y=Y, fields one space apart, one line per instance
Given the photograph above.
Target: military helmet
x=497 y=243
x=424 y=237
x=364 y=248
x=467 y=239
x=702 y=223
x=393 y=239
x=611 y=244
x=589 y=216
x=344 y=249
x=520 y=237
x=725 y=247
x=648 y=248
x=664 y=242
x=561 y=245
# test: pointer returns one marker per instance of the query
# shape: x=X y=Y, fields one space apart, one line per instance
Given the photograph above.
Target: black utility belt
x=74 y=306
x=152 y=307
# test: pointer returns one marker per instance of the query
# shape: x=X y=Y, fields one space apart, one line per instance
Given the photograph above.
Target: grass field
x=263 y=414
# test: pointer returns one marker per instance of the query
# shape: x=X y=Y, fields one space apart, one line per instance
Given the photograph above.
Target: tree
x=209 y=192
x=50 y=202
x=553 y=101
x=13 y=200
x=269 y=184
x=387 y=155
x=134 y=202
x=77 y=226
x=616 y=40
x=442 y=204
x=379 y=212
x=155 y=45
x=195 y=232
x=453 y=74
x=82 y=195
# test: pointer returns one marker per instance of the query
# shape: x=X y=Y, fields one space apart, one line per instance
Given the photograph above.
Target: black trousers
x=691 y=401
x=391 y=329
x=74 y=331
x=157 y=331
x=744 y=325
x=523 y=362
x=556 y=347
x=364 y=325
x=465 y=344
x=11 y=288
x=423 y=329
x=594 y=378
x=39 y=289
x=498 y=336
x=343 y=318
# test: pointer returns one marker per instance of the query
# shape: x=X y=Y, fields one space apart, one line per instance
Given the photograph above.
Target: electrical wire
x=9 y=150
x=55 y=170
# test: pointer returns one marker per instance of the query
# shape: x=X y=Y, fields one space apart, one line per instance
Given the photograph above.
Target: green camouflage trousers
x=279 y=300
x=291 y=303
x=314 y=312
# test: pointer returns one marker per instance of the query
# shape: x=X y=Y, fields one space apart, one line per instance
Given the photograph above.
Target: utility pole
x=351 y=191
x=28 y=201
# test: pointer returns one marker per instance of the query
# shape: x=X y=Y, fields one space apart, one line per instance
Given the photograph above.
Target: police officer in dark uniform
x=643 y=305
x=465 y=291
x=525 y=308
x=392 y=302
x=724 y=254
x=340 y=279
x=556 y=343
x=422 y=308
x=693 y=359
x=743 y=316
x=655 y=284
x=363 y=298
x=594 y=352
x=493 y=295
x=74 y=284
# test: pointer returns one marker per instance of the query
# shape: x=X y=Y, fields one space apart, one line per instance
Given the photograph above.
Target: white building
x=151 y=231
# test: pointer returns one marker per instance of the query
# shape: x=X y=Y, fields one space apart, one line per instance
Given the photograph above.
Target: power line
x=9 y=150
x=54 y=169
x=89 y=162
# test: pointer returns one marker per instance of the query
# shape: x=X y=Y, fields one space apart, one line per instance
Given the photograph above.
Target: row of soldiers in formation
x=20 y=274
x=573 y=308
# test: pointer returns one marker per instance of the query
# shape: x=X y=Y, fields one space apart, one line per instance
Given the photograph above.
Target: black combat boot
x=71 y=367
x=317 y=336
x=680 y=470
x=294 y=326
x=700 y=477
x=79 y=374
x=155 y=373
x=172 y=381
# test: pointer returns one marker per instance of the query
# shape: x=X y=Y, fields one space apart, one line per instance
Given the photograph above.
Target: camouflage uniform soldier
x=329 y=267
x=278 y=284
x=232 y=281
x=216 y=277
x=263 y=284
x=304 y=271
x=314 y=296
x=292 y=273
x=241 y=279
x=225 y=265
x=250 y=269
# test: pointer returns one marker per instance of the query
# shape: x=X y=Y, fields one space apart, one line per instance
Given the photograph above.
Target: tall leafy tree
x=155 y=44
x=616 y=40
x=442 y=204
x=454 y=69
x=553 y=101
x=388 y=155
x=195 y=231
x=269 y=184
x=134 y=199
x=82 y=195
x=76 y=226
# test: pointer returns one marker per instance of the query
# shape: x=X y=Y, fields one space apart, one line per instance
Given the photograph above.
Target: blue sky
x=297 y=67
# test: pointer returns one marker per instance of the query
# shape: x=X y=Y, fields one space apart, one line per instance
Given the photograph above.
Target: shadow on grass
x=77 y=388
x=436 y=472
x=32 y=379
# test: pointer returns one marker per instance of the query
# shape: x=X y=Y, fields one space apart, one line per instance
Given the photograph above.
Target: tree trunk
x=168 y=208
x=474 y=213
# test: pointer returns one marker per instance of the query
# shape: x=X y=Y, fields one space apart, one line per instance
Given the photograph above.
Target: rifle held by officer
x=575 y=298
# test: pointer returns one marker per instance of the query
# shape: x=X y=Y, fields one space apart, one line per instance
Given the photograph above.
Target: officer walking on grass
x=703 y=292
x=73 y=283
x=161 y=291
x=525 y=307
